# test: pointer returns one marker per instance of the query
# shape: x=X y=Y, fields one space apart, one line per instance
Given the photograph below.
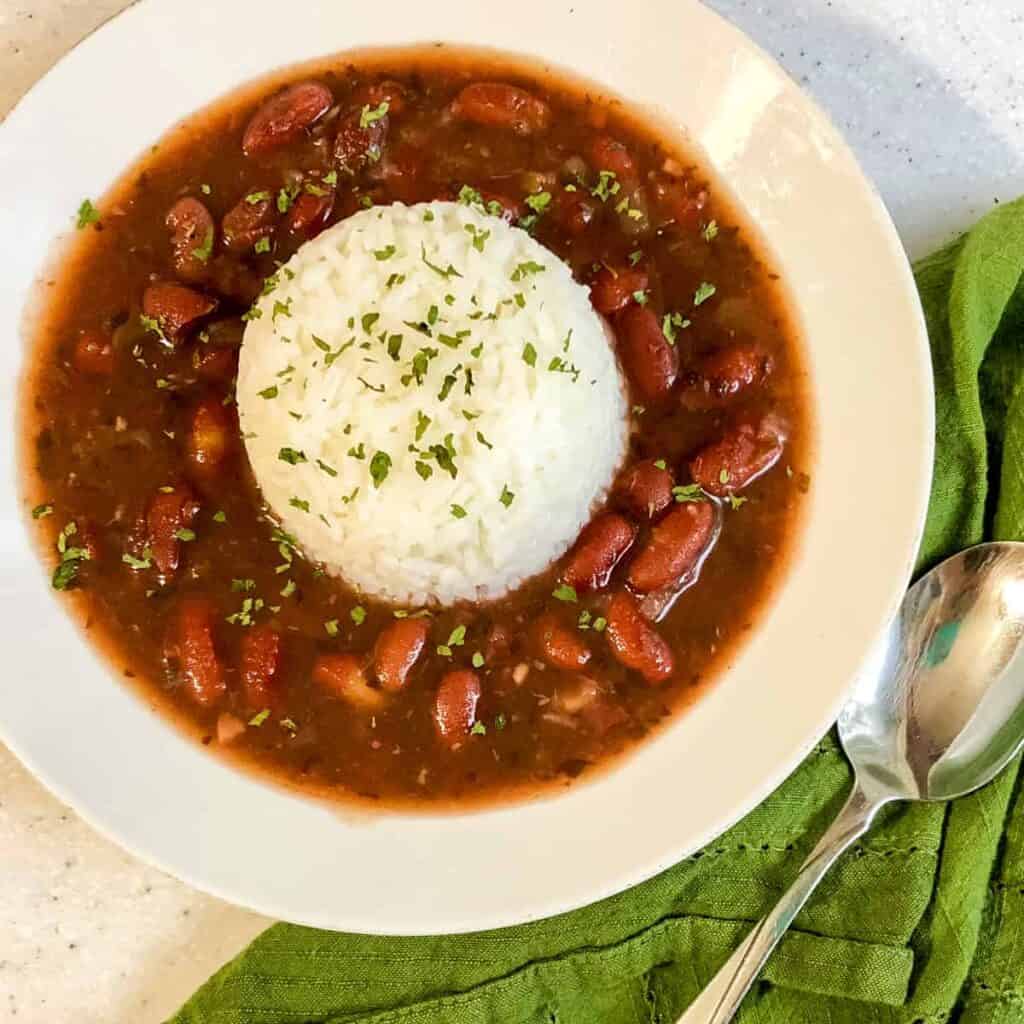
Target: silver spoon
x=943 y=717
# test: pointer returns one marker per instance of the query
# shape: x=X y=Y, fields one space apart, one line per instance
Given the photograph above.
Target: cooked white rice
x=515 y=388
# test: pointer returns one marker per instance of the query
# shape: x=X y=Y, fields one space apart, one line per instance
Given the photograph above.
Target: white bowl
x=98 y=746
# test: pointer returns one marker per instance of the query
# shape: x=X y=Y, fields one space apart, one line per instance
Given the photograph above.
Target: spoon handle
x=722 y=996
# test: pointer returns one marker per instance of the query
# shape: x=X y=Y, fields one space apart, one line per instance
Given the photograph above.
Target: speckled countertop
x=931 y=95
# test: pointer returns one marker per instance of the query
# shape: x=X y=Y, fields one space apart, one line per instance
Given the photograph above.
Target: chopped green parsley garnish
x=358 y=451
x=301 y=504
x=220 y=517
x=422 y=425
x=710 y=231
x=323 y=467
x=477 y=660
x=205 y=189
x=458 y=512
x=204 y=251
x=457 y=637
x=450 y=272
x=384 y=254
x=281 y=309
x=368 y=320
x=394 y=279
x=380 y=466
x=87 y=214
x=640 y=298
x=689 y=492
x=672 y=324
x=506 y=497
x=331 y=627
x=539 y=202
x=704 y=292
x=358 y=615
x=242 y=586
x=254 y=198
x=723 y=476
x=244 y=617
x=292 y=456
x=258 y=719
x=262 y=245
x=479 y=236
x=635 y=257
x=425 y=471
x=607 y=186
x=529 y=354
x=483 y=440
x=138 y=564
x=42 y=511
x=368 y=116
x=524 y=270
x=736 y=502
x=270 y=392
x=660 y=464
x=185 y=534
x=564 y=592
x=288 y=589
x=479 y=729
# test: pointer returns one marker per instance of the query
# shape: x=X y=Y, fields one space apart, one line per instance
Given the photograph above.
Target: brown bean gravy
x=156 y=534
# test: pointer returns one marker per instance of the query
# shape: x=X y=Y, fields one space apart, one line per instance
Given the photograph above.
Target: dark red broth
x=172 y=564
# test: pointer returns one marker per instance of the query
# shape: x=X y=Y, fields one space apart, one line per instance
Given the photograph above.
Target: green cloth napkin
x=922 y=922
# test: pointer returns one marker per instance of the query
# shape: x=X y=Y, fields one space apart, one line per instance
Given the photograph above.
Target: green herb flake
x=425 y=471
x=735 y=502
x=288 y=725
x=477 y=660
x=42 y=511
x=660 y=464
x=524 y=270
x=479 y=236
x=458 y=512
x=457 y=637
x=270 y=392
x=205 y=189
x=87 y=214
x=281 y=309
x=242 y=586
x=635 y=257
x=393 y=280
x=220 y=517
x=672 y=324
x=301 y=504
x=564 y=592
x=368 y=320
x=254 y=198
x=723 y=476
x=358 y=615
x=600 y=624
x=529 y=354
x=450 y=272
x=204 y=251
x=483 y=440
x=384 y=254
x=380 y=466
x=444 y=650
x=291 y=455
x=710 y=231
x=185 y=534
x=689 y=492
x=704 y=292
x=607 y=186
x=331 y=627
x=289 y=588
x=258 y=719
x=368 y=116
x=479 y=729
x=506 y=497
x=428 y=216
x=138 y=564
x=539 y=202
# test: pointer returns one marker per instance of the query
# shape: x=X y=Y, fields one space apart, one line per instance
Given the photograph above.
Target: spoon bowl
x=940 y=716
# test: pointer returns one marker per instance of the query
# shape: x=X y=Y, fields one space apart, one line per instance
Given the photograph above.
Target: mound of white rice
x=429 y=403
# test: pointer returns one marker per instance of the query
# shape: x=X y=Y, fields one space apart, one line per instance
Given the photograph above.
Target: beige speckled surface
x=929 y=94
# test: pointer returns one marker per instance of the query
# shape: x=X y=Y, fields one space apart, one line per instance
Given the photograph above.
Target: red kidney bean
x=635 y=642
x=559 y=646
x=175 y=307
x=650 y=361
x=506 y=106
x=614 y=288
x=357 y=145
x=681 y=204
x=645 y=488
x=94 y=354
x=455 y=705
x=389 y=92
x=397 y=649
x=739 y=457
x=598 y=549
x=723 y=375
x=197 y=653
x=248 y=222
x=192 y=236
x=608 y=154
x=574 y=212
x=308 y=214
x=210 y=435
x=169 y=512
x=260 y=660
x=342 y=676
x=283 y=118
x=675 y=548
